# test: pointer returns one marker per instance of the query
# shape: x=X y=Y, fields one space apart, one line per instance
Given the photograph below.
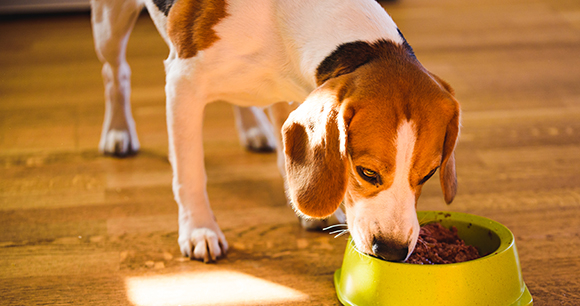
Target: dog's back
x=283 y=41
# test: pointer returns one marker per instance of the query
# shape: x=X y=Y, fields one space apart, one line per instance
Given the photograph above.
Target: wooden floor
x=78 y=228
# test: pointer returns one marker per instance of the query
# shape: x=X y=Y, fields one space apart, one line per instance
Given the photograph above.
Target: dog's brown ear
x=314 y=138
x=444 y=84
x=447 y=174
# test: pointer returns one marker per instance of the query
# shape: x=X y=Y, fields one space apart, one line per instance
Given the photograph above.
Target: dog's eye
x=427 y=177
x=369 y=175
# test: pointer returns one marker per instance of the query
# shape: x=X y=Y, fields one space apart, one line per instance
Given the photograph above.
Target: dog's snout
x=390 y=250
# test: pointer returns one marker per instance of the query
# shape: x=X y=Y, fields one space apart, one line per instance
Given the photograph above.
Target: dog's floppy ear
x=444 y=84
x=314 y=138
x=447 y=174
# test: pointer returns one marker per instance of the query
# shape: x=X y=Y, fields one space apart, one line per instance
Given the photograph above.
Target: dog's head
x=372 y=134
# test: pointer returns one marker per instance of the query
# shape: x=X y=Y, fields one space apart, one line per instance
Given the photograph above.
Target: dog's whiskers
x=422 y=221
x=339 y=232
x=338 y=229
x=334 y=226
x=342 y=233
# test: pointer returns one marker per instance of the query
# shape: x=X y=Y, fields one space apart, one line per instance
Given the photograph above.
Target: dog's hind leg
x=112 y=22
x=254 y=129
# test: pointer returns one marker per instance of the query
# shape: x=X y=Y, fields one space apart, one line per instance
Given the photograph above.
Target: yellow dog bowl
x=494 y=279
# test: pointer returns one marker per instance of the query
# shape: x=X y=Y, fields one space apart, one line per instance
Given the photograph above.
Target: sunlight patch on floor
x=207 y=288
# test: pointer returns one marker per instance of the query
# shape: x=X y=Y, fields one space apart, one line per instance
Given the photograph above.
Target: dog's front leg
x=199 y=234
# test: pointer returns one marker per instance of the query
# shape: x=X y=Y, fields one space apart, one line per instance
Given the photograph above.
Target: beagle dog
x=373 y=126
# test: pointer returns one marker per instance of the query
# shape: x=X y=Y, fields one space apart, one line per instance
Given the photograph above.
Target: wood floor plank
x=83 y=229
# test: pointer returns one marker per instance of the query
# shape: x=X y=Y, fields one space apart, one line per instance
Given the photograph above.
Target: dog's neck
x=308 y=27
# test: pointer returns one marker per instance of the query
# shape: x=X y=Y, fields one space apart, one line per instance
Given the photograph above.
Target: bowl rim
x=506 y=237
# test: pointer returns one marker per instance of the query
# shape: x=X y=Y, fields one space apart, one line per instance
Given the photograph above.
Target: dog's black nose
x=390 y=250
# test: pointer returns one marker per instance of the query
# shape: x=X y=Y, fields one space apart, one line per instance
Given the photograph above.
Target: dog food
x=438 y=245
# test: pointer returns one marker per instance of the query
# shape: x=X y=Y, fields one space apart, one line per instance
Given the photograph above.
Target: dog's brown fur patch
x=190 y=25
x=349 y=56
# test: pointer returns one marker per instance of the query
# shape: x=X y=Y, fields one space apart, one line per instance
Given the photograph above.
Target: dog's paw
x=118 y=143
x=257 y=140
x=203 y=244
x=338 y=217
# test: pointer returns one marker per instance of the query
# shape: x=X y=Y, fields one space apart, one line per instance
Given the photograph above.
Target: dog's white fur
x=268 y=51
x=367 y=218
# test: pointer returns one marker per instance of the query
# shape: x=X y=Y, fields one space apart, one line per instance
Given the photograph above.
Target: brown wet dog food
x=438 y=245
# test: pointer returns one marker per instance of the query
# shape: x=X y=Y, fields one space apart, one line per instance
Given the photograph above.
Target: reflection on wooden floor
x=79 y=228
